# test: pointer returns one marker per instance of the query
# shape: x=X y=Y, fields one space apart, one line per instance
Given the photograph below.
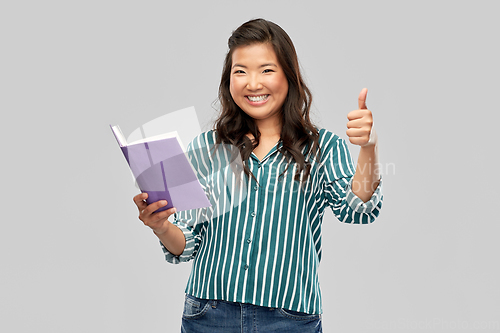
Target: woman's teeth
x=257 y=98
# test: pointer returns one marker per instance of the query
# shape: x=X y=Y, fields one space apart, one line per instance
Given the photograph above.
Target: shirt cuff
x=188 y=250
x=357 y=205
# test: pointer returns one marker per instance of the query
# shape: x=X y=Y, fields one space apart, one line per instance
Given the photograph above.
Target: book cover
x=162 y=169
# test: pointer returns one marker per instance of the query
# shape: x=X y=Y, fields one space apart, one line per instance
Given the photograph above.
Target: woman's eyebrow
x=263 y=65
x=269 y=64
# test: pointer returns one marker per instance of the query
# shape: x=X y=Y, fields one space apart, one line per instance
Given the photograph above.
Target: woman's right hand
x=156 y=221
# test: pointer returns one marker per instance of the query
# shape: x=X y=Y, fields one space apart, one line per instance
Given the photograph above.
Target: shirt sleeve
x=338 y=171
x=193 y=222
x=184 y=221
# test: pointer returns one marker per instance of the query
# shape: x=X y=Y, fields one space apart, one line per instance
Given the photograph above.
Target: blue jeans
x=210 y=316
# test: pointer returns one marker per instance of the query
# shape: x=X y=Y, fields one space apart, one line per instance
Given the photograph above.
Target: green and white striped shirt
x=260 y=242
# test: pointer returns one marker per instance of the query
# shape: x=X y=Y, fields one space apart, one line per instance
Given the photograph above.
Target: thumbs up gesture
x=360 y=126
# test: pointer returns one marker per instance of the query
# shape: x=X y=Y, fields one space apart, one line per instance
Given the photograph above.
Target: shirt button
x=246 y=267
x=249 y=241
x=253 y=214
x=256 y=187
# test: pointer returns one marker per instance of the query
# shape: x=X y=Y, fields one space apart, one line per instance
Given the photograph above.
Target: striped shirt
x=260 y=241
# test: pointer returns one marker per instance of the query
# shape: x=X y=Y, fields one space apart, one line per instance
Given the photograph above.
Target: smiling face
x=258 y=84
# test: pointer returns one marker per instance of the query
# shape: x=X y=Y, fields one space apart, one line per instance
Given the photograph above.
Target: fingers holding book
x=140 y=201
x=156 y=221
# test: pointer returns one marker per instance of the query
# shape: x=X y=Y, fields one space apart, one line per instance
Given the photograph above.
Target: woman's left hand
x=360 y=126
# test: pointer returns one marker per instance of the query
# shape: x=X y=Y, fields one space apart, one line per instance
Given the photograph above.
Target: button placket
x=253 y=214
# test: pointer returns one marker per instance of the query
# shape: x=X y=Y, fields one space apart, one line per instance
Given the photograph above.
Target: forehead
x=254 y=54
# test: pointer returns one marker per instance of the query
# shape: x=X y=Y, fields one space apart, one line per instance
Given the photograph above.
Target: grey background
x=74 y=256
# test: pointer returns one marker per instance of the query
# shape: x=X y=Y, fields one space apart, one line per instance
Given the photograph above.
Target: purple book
x=161 y=169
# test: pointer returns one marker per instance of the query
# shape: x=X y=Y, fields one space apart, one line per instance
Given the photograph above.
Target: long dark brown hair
x=297 y=131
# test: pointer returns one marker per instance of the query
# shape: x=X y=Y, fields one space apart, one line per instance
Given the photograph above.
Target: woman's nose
x=253 y=83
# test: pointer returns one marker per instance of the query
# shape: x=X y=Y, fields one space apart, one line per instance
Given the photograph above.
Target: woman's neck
x=269 y=129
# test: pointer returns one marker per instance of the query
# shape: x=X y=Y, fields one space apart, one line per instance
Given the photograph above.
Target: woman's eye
x=268 y=71
x=239 y=71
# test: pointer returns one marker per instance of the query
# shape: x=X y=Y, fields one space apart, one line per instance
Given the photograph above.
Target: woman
x=256 y=251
